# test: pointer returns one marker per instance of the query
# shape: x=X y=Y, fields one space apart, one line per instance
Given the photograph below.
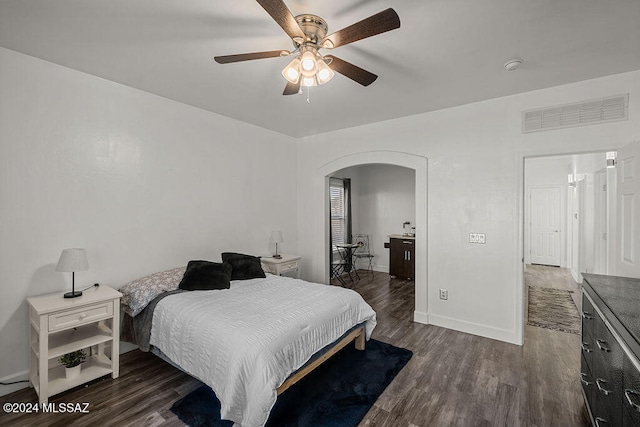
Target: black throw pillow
x=206 y=275
x=244 y=266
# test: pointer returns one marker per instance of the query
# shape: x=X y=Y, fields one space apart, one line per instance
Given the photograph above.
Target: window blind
x=337 y=209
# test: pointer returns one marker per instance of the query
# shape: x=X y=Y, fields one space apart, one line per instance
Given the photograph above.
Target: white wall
x=475 y=184
x=141 y=182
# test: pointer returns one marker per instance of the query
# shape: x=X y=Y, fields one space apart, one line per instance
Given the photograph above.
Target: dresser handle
x=586 y=315
x=628 y=392
x=603 y=390
x=584 y=348
x=602 y=347
x=600 y=420
x=582 y=379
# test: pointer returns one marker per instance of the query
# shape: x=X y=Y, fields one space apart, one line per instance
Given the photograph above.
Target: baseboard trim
x=486 y=331
x=576 y=276
x=421 y=317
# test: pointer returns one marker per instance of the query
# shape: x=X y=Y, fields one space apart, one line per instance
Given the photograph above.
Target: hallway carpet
x=553 y=309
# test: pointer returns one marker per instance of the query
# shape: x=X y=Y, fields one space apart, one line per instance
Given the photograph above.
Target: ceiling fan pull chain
x=308 y=93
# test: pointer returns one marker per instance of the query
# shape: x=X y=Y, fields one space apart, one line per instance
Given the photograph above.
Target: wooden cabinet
x=60 y=325
x=610 y=364
x=402 y=257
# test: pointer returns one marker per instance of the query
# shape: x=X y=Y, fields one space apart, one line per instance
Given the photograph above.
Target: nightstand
x=60 y=325
x=286 y=264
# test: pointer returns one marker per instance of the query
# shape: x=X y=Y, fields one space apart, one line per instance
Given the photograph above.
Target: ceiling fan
x=309 y=34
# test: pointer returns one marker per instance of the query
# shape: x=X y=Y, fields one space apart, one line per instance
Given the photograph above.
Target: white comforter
x=245 y=341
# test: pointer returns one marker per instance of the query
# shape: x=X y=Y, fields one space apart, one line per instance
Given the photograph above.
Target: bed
x=249 y=342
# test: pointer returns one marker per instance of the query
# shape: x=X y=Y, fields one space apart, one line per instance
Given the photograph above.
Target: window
x=338 y=211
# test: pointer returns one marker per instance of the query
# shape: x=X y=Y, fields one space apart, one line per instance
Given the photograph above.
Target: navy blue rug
x=338 y=393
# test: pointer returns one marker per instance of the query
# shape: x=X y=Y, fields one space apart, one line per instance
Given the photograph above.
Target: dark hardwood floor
x=453 y=379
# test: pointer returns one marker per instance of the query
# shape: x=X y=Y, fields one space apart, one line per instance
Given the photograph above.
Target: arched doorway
x=411 y=161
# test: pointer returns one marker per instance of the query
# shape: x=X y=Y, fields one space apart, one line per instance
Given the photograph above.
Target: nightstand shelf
x=73 y=339
x=94 y=367
x=60 y=325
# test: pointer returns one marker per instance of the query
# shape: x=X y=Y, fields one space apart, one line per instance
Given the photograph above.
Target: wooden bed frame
x=357 y=335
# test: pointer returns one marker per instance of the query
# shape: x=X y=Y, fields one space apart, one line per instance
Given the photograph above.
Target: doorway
x=381 y=199
x=410 y=161
x=579 y=222
x=563 y=216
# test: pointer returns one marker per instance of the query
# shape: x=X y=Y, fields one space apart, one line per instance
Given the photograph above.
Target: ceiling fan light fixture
x=308 y=81
x=292 y=71
x=324 y=73
x=308 y=62
x=309 y=35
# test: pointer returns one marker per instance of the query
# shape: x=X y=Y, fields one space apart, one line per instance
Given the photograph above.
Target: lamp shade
x=74 y=259
x=276 y=237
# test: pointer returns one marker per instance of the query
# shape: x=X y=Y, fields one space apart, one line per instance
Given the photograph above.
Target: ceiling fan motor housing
x=314 y=27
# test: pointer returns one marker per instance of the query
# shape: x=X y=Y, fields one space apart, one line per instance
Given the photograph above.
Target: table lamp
x=276 y=237
x=72 y=260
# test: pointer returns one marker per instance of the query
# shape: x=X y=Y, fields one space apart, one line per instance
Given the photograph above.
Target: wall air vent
x=605 y=110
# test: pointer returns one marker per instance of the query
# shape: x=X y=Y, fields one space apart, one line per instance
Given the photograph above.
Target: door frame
x=397 y=158
x=519 y=244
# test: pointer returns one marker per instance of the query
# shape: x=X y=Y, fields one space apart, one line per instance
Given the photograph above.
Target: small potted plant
x=72 y=363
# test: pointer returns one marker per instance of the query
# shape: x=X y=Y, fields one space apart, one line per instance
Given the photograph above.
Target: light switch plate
x=477 y=238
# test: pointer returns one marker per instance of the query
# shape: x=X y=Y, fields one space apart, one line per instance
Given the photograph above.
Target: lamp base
x=73 y=294
x=277 y=256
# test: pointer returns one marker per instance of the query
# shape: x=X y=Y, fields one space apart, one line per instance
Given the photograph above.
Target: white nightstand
x=61 y=325
x=285 y=264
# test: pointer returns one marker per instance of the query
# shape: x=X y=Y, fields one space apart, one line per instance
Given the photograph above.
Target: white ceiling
x=446 y=53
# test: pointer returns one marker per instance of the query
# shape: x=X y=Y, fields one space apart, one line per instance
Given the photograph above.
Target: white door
x=628 y=211
x=545 y=225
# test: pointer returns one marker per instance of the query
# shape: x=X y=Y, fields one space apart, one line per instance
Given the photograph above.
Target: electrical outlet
x=444 y=294
x=477 y=238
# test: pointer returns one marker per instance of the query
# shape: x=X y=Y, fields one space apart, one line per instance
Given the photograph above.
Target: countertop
x=621 y=298
x=401 y=236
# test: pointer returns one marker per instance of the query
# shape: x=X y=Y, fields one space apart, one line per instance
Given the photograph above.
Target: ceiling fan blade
x=379 y=23
x=354 y=72
x=291 y=88
x=283 y=17
x=227 y=59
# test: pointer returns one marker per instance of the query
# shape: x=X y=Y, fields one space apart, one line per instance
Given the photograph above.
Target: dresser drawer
x=289 y=266
x=71 y=318
x=588 y=317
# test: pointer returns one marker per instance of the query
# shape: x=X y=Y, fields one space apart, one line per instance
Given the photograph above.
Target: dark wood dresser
x=610 y=368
